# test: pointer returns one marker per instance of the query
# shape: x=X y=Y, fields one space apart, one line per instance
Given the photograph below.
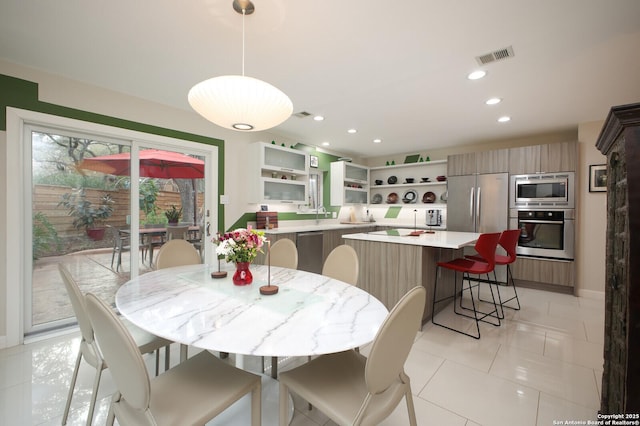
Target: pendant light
x=238 y=102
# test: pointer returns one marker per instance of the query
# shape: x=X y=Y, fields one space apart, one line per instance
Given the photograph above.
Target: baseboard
x=591 y=294
x=544 y=286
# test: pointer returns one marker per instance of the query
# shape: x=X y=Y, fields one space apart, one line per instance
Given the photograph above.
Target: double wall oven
x=542 y=206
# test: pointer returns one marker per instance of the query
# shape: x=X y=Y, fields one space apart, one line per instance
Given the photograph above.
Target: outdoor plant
x=86 y=214
x=45 y=237
x=240 y=245
x=173 y=214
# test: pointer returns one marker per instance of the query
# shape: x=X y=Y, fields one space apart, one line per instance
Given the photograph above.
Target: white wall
x=591 y=224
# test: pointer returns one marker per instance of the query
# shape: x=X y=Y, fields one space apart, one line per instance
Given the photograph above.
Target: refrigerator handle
x=471 y=196
x=478 y=208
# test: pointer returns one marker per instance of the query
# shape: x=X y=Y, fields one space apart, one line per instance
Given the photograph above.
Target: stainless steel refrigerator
x=478 y=203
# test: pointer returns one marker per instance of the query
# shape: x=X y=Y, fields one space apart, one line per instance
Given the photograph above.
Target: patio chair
x=146 y=343
x=121 y=243
x=177 y=232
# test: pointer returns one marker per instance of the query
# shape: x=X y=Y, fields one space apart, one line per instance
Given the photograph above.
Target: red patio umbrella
x=154 y=163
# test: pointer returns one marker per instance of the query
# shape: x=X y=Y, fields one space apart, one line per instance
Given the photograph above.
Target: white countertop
x=442 y=239
x=319 y=227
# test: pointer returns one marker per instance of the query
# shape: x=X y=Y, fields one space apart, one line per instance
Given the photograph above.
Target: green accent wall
x=23 y=94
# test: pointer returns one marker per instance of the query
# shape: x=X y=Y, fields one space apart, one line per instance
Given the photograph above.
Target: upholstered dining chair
x=352 y=389
x=486 y=248
x=145 y=343
x=284 y=254
x=342 y=264
x=192 y=393
x=177 y=253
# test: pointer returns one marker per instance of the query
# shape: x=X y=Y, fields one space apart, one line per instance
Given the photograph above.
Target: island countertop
x=439 y=239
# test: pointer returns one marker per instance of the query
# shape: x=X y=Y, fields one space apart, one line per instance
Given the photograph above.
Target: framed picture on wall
x=313 y=161
x=598 y=178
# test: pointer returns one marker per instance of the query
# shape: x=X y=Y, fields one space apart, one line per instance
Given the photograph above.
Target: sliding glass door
x=101 y=205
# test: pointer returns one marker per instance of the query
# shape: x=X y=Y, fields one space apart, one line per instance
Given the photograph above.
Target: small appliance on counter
x=433 y=217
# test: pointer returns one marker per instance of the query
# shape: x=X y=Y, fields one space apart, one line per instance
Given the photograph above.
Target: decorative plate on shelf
x=376 y=199
x=392 y=198
x=392 y=180
x=410 y=197
x=429 y=197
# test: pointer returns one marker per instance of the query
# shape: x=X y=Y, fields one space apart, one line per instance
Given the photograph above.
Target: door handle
x=478 y=208
x=471 y=196
x=208 y=229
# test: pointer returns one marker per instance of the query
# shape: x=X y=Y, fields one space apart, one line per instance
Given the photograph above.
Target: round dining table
x=310 y=315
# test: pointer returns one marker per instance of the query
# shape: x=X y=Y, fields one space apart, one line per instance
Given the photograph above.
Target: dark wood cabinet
x=620 y=141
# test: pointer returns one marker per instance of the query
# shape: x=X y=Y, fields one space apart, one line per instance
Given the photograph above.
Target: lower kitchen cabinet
x=544 y=274
x=333 y=238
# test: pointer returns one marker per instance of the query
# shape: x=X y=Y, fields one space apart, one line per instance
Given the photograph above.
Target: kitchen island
x=393 y=261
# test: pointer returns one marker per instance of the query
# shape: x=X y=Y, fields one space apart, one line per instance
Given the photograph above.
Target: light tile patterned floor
x=543 y=364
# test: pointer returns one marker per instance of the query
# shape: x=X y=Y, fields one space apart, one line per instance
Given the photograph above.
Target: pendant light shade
x=238 y=102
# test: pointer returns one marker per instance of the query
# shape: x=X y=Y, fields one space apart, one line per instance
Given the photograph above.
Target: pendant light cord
x=243 y=15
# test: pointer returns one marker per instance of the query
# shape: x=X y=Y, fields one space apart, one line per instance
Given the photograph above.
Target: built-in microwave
x=551 y=190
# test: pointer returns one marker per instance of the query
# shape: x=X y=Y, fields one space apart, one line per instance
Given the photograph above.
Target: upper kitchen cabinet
x=549 y=158
x=483 y=162
x=349 y=184
x=281 y=174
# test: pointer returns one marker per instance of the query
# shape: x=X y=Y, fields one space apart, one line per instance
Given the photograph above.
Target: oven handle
x=553 y=222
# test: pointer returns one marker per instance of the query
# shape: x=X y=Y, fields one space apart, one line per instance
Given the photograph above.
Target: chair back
x=177 y=253
x=342 y=264
x=177 y=232
x=394 y=340
x=121 y=353
x=284 y=253
x=509 y=242
x=79 y=308
x=486 y=247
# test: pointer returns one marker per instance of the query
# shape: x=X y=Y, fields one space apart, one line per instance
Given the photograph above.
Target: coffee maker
x=433 y=218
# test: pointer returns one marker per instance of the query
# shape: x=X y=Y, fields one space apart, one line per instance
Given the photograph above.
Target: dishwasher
x=309 y=251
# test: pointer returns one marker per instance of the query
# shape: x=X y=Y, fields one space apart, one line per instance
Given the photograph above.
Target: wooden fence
x=47 y=197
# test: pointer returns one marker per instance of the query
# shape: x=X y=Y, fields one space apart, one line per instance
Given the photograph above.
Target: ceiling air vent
x=302 y=114
x=496 y=55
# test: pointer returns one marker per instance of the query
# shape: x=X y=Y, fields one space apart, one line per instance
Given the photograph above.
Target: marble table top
x=310 y=315
x=441 y=239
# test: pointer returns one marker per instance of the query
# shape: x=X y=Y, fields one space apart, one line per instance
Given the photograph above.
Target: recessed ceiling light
x=493 y=101
x=351 y=131
x=476 y=75
x=318 y=118
x=504 y=119
x=325 y=144
x=377 y=140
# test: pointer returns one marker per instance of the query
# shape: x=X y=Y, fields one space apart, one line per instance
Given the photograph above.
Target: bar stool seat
x=486 y=249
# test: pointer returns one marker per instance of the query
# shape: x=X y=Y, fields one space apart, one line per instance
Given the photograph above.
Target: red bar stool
x=509 y=242
x=486 y=249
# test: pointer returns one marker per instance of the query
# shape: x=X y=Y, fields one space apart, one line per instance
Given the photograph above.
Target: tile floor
x=543 y=364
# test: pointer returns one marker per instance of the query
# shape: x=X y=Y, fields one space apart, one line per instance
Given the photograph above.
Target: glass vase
x=242 y=276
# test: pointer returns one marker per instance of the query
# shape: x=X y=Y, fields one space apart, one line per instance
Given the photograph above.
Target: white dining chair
x=192 y=393
x=342 y=264
x=284 y=254
x=352 y=389
x=177 y=253
x=145 y=343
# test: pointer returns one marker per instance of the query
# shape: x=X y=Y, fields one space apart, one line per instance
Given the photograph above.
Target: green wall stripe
x=23 y=94
x=393 y=212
